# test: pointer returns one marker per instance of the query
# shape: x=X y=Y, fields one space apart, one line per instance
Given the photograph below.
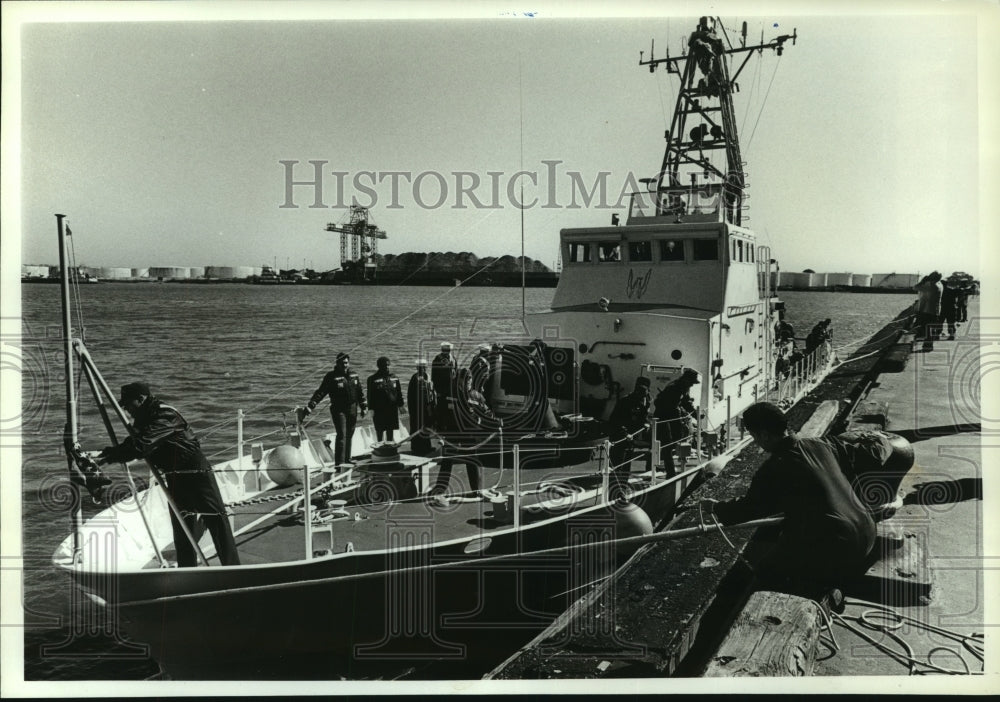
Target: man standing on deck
x=161 y=436
x=627 y=419
x=480 y=367
x=469 y=420
x=421 y=401
x=673 y=409
x=385 y=395
x=827 y=533
x=443 y=371
x=347 y=396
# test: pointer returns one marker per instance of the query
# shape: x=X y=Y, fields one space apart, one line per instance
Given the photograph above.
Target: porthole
x=676 y=354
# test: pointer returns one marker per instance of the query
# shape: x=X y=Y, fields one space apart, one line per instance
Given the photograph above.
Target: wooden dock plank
x=899 y=573
x=820 y=420
x=775 y=635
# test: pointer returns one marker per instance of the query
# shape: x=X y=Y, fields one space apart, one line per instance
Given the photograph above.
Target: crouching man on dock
x=162 y=436
x=827 y=533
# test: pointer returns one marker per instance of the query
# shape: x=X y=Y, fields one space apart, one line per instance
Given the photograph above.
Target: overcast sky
x=163 y=141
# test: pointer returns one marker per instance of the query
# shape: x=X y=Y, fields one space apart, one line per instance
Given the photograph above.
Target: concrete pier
x=934 y=402
x=673 y=603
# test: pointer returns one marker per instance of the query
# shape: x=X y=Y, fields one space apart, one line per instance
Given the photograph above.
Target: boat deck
x=269 y=528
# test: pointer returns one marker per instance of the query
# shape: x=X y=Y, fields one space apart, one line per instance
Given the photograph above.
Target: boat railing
x=800 y=376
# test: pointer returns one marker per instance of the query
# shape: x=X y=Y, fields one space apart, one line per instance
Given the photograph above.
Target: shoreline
x=532 y=280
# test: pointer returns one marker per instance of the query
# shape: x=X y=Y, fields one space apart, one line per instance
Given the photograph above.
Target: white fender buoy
x=630 y=520
x=284 y=466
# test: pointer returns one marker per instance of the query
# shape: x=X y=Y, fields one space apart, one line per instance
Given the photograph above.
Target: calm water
x=212 y=349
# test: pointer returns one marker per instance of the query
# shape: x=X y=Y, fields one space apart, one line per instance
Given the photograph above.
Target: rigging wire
x=764 y=103
x=754 y=89
x=75 y=283
x=663 y=106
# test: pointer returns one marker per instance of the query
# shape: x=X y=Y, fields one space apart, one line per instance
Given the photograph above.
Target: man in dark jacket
x=161 y=436
x=673 y=409
x=347 y=396
x=962 y=301
x=385 y=395
x=480 y=367
x=827 y=533
x=470 y=420
x=627 y=418
x=421 y=401
x=443 y=371
x=949 y=307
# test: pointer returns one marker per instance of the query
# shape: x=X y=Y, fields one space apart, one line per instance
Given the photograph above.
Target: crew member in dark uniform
x=820 y=334
x=628 y=417
x=784 y=331
x=827 y=533
x=470 y=420
x=962 y=301
x=347 y=396
x=421 y=401
x=949 y=307
x=385 y=395
x=673 y=409
x=163 y=437
x=480 y=367
x=443 y=371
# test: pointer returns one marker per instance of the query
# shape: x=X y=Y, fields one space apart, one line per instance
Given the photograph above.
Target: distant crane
x=363 y=236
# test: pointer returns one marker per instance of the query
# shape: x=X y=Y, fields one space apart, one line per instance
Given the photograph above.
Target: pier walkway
x=934 y=403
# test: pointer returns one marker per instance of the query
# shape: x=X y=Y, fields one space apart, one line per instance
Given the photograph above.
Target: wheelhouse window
x=579 y=253
x=640 y=251
x=739 y=250
x=609 y=252
x=671 y=250
x=705 y=249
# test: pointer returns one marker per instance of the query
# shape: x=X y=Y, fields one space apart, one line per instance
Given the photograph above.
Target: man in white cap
x=420 y=403
x=443 y=371
x=479 y=367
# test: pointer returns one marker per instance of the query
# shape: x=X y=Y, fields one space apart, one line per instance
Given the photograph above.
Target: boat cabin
x=681 y=287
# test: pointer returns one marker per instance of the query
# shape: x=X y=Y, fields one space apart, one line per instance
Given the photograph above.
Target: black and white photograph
x=415 y=347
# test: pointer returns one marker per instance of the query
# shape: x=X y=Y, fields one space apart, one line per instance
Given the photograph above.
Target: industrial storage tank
x=115 y=273
x=895 y=280
x=242 y=272
x=257 y=270
x=774 y=279
x=196 y=272
x=839 y=279
x=817 y=280
x=220 y=272
x=168 y=272
x=862 y=280
x=795 y=280
x=140 y=272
